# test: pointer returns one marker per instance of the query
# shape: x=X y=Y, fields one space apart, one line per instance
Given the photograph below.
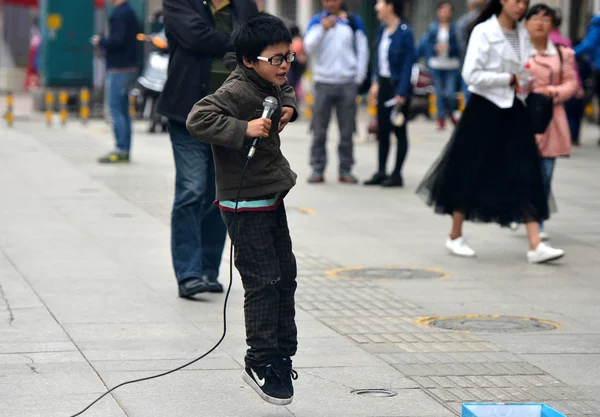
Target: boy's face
x=275 y=74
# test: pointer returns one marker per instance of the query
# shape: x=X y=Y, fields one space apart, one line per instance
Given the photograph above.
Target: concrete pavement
x=88 y=298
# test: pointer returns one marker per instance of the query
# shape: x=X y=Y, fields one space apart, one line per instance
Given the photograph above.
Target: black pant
x=574 y=108
x=386 y=92
x=267 y=265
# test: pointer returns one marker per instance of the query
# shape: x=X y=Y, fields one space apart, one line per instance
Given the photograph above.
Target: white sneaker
x=544 y=236
x=514 y=226
x=459 y=247
x=544 y=253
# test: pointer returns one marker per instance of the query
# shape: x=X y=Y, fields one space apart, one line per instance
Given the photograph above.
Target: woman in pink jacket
x=553 y=69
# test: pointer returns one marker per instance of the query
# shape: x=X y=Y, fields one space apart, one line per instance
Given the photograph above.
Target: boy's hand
x=259 y=128
x=288 y=112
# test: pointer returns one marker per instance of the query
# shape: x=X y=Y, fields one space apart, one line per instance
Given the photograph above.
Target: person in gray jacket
x=337 y=43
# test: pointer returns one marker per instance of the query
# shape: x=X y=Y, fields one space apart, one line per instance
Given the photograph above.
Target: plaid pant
x=264 y=259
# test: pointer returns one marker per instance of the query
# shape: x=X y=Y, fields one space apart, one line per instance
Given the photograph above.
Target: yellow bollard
x=49 y=107
x=372 y=110
x=132 y=111
x=589 y=110
x=63 y=100
x=461 y=102
x=309 y=100
x=432 y=105
x=10 y=115
x=84 y=103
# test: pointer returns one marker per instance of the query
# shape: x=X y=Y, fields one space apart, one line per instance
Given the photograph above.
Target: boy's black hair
x=398 y=7
x=544 y=9
x=256 y=34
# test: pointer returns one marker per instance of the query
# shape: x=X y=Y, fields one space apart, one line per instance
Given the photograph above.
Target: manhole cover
x=388 y=273
x=374 y=392
x=490 y=324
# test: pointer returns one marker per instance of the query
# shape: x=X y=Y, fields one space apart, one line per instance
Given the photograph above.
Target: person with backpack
x=392 y=88
x=552 y=67
x=591 y=45
x=336 y=41
x=574 y=106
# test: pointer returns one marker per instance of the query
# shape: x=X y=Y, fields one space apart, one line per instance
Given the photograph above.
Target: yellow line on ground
x=306 y=210
x=426 y=321
x=337 y=271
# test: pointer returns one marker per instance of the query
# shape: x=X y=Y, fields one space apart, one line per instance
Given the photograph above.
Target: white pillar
x=566 y=23
x=272 y=6
x=596 y=6
x=304 y=11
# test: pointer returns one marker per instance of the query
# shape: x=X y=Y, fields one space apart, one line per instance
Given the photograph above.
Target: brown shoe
x=348 y=178
x=316 y=178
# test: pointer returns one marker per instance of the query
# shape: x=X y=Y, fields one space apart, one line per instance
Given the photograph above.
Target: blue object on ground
x=508 y=410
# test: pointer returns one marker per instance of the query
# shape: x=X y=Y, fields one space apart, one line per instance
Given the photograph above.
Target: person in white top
x=490 y=170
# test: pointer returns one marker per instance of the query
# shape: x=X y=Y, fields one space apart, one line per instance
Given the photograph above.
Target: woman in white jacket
x=490 y=169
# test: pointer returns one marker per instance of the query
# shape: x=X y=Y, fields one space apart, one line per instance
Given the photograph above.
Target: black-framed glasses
x=277 y=60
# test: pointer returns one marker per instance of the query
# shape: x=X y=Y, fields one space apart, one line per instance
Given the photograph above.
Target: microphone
x=269 y=106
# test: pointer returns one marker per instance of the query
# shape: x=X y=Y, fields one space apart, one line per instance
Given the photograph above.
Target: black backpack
x=366 y=85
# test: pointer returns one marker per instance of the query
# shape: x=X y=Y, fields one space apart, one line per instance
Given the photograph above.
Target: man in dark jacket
x=121 y=65
x=199 y=35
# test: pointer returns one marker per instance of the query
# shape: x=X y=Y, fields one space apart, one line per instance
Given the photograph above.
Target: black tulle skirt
x=490 y=169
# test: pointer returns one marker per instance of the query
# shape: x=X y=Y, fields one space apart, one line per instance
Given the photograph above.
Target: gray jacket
x=221 y=119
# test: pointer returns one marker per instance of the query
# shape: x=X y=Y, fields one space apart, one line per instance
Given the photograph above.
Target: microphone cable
x=211 y=350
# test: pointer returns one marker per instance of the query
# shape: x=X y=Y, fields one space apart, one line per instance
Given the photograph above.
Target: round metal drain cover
x=388 y=273
x=491 y=324
x=374 y=392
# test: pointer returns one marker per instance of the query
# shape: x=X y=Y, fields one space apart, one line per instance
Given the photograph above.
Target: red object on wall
x=34 y=3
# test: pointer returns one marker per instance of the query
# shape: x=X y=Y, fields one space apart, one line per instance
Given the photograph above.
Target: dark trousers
x=197 y=230
x=343 y=98
x=266 y=263
x=574 y=108
x=386 y=92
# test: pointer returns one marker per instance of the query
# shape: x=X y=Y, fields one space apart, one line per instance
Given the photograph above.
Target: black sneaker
x=268 y=383
x=287 y=374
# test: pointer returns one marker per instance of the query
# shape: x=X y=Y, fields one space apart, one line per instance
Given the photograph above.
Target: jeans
x=118 y=104
x=343 y=98
x=547 y=173
x=444 y=82
x=197 y=230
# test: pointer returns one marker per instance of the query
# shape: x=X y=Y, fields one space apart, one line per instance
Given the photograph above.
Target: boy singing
x=229 y=120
